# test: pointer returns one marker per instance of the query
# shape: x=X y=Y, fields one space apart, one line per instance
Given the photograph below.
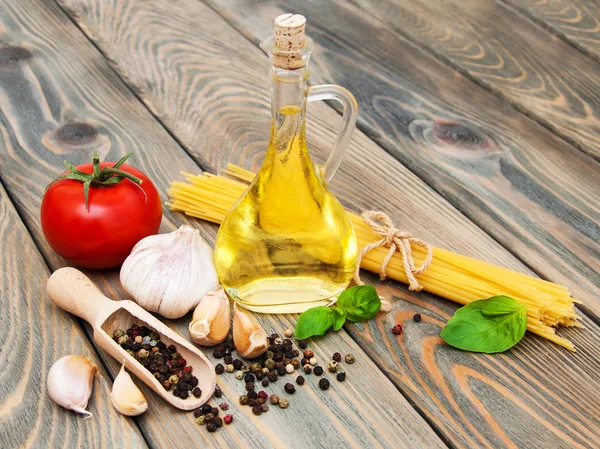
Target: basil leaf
x=487 y=325
x=359 y=303
x=338 y=319
x=315 y=321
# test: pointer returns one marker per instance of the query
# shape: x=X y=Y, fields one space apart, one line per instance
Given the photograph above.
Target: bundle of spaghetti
x=452 y=276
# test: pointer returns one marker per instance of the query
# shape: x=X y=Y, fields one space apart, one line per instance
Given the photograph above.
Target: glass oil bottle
x=287 y=244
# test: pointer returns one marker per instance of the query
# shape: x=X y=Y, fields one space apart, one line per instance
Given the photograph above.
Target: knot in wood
x=14 y=55
x=76 y=133
x=458 y=135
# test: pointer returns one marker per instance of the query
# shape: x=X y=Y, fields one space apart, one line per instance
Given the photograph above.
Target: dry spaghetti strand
x=452 y=276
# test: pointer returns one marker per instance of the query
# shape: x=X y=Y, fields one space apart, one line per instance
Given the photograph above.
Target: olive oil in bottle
x=287 y=244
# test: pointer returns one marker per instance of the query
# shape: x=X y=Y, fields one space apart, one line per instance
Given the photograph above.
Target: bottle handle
x=349 y=116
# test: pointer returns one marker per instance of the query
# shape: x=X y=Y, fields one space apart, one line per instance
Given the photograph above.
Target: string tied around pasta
x=396 y=240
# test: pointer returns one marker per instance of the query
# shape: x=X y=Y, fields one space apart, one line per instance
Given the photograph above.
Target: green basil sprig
x=357 y=304
x=487 y=325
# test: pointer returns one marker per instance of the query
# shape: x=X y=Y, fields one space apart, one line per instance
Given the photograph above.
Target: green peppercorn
x=200 y=420
x=245 y=369
x=239 y=375
x=229 y=368
x=332 y=366
x=174 y=379
x=243 y=400
x=284 y=403
x=350 y=358
x=118 y=333
x=270 y=364
x=123 y=339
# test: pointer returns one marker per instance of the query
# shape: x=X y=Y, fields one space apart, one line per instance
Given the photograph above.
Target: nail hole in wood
x=14 y=55
x=76 y=133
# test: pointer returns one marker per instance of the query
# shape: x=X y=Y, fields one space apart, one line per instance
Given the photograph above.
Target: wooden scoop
x=74 y=292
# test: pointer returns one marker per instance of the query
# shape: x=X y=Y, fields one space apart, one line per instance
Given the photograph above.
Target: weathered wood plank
x=527 y=188
x=34 y=335
x=577 y=22
x=188 y=61
x=64 y=101
x=496 y=47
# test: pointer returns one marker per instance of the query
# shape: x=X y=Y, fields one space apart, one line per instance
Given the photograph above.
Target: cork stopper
x=290 y=42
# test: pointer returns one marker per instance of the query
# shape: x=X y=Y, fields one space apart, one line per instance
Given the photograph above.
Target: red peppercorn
x=227 y=419
x=397 y=329
x=187 y=369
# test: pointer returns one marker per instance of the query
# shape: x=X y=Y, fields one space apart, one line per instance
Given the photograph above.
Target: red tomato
x=103 y=235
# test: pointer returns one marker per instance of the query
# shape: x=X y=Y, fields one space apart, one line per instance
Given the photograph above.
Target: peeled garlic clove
x=170 y=273
x=249 y=338
x=211 y=321
x=70 y=382
x=126 y=396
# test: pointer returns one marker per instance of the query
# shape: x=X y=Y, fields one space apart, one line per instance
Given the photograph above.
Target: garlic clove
x=170 y=273
x=69 y=382
x=211 y=320
x=249 y=338
x=126 y=396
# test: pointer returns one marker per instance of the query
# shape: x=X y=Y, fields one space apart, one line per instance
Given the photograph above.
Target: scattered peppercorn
x=215 y=411
x=274 y=399
x=219 y=369
x=243 y=400
x=218 y=392
x=211 y=427
x=289 y=368
x=289 y=388
x=341 y=377
x=313 y=361
x=265 y=382
x=337 y=357
x=197 y=392
x=417 y=318
x=332 y=366
x=397 y=329
x=318 y=370
x=206 y=408
x=284 y=403
x=224 y=406
x=249 y=377
x=237 y=364
x=302 y=344
x=264 y=407
x=239 y=375
x=249 y=386
x=307 y=369
x=288 y=333
x=218 y=422
x=200 y=420
x=257 y=410
x=324 y=384
x=300 y=380
x=209 y=417
x=349 y=359
x=229 y=368
x=309 y=354
x=227 y=419
x=228 y=360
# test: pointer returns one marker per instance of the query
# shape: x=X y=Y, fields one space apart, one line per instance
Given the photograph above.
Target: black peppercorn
x=249 y=386
x=341 y=377
x=318 y=370
x=219 y=369
x=257 y=410
x=252 y=394
x=300 y=380
x=278 y=357
x=218 y=392
x=218 y=422
x=198 y=412
x=217 y=353
x=302 y=344
x=272 y=376
x=323 y=384
x=417 y=318
x=211 y=426
x=171 y=348
x=281 y=370
x=184 y=394
x=249 y=377
x=206 y=409
x=197 y=392
x=307 y=369
x=289 y=388
x=260 y=375
x=228 y=360
x=265 y=382
x=194 y=381
x=252 y=402
x=337 y=357
x=237 y=364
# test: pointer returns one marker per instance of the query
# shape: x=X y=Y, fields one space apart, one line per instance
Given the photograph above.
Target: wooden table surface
x=479 y=131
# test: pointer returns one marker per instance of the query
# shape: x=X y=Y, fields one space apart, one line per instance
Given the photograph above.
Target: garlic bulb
x=211 y=321
x=249 y=338
x=126 y=396
x=70 y=382
x=170 y=273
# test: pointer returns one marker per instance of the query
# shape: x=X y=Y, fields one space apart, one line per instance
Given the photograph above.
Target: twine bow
x=395 y=240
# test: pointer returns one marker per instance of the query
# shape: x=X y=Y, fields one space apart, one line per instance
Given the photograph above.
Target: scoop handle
x=73 y=291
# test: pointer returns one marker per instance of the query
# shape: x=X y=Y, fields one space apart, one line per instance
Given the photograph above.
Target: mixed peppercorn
x=164 y=362
x=281 y=359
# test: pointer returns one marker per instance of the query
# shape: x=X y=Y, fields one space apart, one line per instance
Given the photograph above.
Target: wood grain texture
x=209 y=86
x=527 y=188
x=62 y=100
x=493 y=45
x=34 y=334
x=577 y=22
